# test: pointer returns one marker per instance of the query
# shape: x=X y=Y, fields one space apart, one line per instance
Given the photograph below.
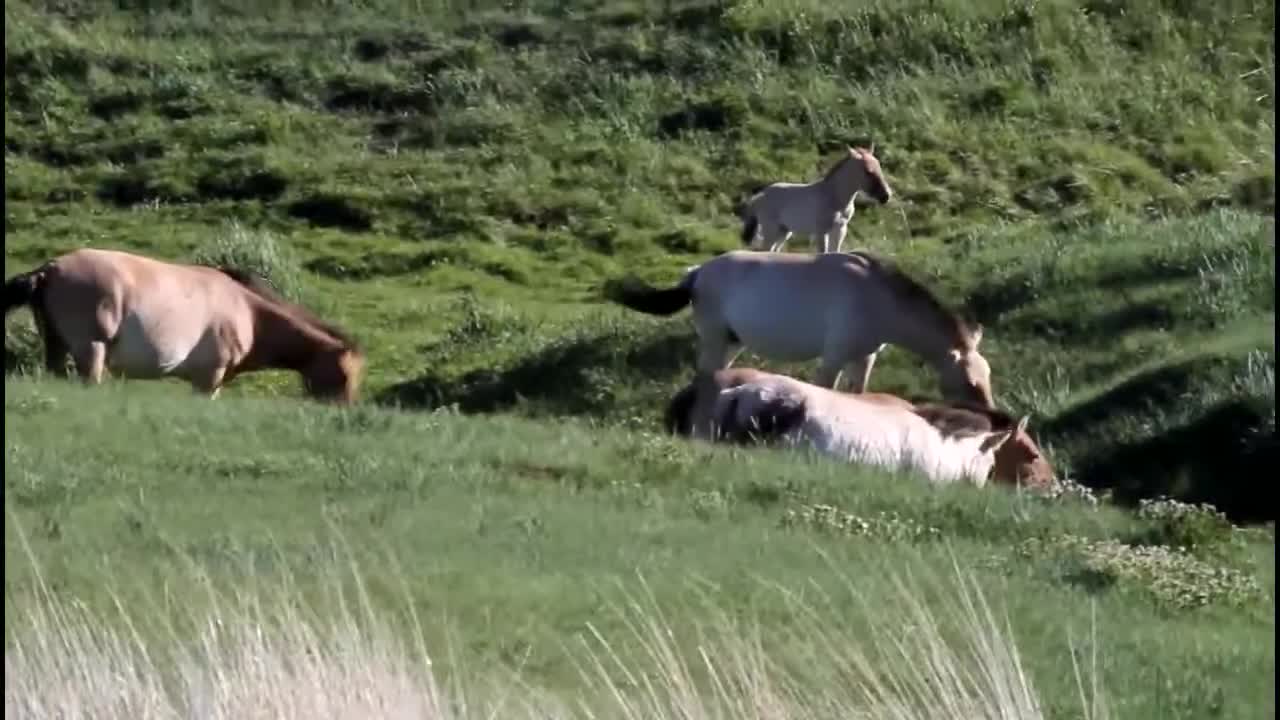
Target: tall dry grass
x=257 y=652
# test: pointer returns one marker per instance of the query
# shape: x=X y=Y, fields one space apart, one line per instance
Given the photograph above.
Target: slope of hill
x=455 y=184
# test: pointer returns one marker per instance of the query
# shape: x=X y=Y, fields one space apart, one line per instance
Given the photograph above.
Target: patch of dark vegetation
x=579 y=374
x=378 y=95
x=110 y=106
x=241 y=179
x=1054 y=193
x=393 y=264
x=717 y=115
x=138 y=185
x=511 y=32
x=331 y=210
x=374 y=47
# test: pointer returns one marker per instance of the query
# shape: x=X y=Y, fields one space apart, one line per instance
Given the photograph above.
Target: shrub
x=255 y=251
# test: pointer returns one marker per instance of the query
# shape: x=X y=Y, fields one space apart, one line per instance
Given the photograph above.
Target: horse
x=145 y=318
x=840 y=307
x=819 y=209
x=692 y=412
x=852 y=429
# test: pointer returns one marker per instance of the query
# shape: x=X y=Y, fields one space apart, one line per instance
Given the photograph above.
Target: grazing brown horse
x=147 y=319
x=1019 y=461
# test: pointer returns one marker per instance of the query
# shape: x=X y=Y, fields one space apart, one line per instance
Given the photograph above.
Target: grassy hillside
x=455 y=182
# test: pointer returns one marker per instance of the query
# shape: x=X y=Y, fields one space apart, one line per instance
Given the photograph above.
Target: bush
x=255 y=251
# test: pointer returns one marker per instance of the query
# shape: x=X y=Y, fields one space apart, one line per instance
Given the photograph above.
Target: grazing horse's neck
x=282 y=341
x=924 y=333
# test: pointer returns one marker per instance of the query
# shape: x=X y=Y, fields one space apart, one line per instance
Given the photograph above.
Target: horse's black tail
x=749 y=229
x=23 y=289
x=654 y=301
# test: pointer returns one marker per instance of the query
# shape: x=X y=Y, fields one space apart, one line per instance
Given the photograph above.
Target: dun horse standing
x=858 y=430
x=148 y=319
x=819 y=209
x=840 y=307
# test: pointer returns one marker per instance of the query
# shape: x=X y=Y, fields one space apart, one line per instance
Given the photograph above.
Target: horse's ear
x=994 y=440
x=976 y=335
x=1022 y=425
x=872 y=149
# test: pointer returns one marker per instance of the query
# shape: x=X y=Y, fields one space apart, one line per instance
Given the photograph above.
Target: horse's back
x=782 y=305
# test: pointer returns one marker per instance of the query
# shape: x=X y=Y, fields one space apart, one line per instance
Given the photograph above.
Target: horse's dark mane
x=261 y=287
x=964 y=418
x=917 y=291
x=844 y=158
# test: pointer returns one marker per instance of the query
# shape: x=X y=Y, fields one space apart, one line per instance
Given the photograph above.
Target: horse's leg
x=776 y=236
x=210 y=384
x=55 y=350
x=836 y=236
x=713 y=351
x=860 y=371
x=91 y=361
x=834 y=357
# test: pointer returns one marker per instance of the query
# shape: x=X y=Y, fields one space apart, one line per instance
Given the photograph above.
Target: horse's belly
x=145 y=350
x=779 y=338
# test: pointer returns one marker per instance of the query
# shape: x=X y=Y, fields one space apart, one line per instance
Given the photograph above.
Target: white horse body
x=821 y=209
x=859 y=431
x=837 y=307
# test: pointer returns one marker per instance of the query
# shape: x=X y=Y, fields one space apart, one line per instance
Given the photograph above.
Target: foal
x=148 y=319
x=819 y=209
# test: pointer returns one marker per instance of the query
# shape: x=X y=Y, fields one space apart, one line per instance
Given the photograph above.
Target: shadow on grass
x=1217 y=454
x=583 y=374
x=1222 y=458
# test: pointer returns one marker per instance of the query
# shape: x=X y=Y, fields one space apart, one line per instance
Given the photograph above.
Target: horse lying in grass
x=148 y=319
x=840 y=307
x=819 y=209
x=745 y=405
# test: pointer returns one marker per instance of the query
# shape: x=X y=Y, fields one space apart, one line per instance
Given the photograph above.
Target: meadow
x=456 y=183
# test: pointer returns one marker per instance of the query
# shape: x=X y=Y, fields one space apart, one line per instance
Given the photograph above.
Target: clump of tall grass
x=257 y=251
x=255 y=653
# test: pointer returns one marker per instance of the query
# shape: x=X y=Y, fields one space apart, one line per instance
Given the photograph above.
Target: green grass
x=456 y=182
x=515 y=533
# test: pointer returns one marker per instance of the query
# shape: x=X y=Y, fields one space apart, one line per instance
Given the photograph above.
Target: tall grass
x=259 y=652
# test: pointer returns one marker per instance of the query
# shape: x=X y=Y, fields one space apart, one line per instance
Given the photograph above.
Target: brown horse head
x=1018 y=460
x=334 y=375
x=878 y=186
x=329 y=359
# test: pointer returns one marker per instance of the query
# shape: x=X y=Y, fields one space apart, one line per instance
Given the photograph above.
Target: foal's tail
x=655 y=301
x=23 y=289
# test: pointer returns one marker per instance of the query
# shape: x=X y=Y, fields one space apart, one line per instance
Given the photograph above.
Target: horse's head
x=1019 y=461
x=966 y=374
x=873 y=180
x=994 y=441
x=334 y=375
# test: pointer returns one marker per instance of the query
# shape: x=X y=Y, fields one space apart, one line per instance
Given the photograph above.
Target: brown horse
x=147 y=319
x=691 y=413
